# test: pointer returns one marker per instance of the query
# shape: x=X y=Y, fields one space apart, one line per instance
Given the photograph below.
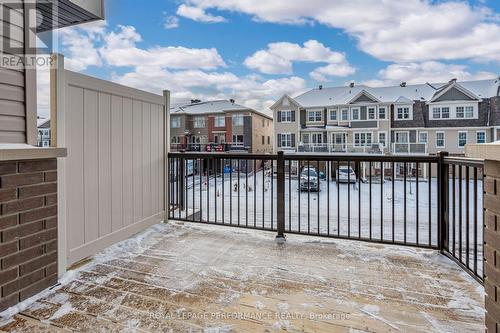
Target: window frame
x=358 y=113
x=384 y=113
x=385 y=138
x=437 y=139
x=199 y=120
x=359 y=141
x=332 y=112
x=175 y=120
x=236 y=119
x=286 y=116
x=217 y=121
x=370 y=114
x=404 y=115
x=282 y=138
x=315 y=118
x=344 y=112
x=477 y=136
x=459 y=139
x=426 y=137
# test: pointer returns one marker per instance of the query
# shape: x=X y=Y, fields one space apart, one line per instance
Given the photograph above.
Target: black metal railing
x=463 y=213
x=391 y=199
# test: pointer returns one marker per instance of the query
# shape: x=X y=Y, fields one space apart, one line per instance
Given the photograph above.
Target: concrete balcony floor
x=199 y=278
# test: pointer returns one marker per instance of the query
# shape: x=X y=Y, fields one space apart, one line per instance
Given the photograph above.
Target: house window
x=382 y=138
x=175 y=122
x=469 y=112
x=268 y=140
x=316 y=138
x=362 y=139
x=355 y=114
x=402 y=137
x=462 y=139
x=445 y=112
x=314 y=116
x=403 y=113
x=460 y=112
x=199 y=122
x=333 y=114
x=286 y=140
x=237 y=120
x=440 y=140
x=286 y=116
x=381 y=113
x=263 y=140
x=436 y=113
x=422 y=137
x=481 y=137
x=345 y=114
x=371 y=113
x=220 y=121
x=237 y=138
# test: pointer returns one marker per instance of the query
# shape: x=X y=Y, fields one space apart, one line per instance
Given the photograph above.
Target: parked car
x=309 y=180
x=346 y=175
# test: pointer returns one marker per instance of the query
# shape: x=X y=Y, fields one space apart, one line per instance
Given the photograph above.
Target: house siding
x=13 y=106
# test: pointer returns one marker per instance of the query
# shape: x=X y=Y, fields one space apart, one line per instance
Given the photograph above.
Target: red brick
x=8 y=221
x=38 y=263
x=7 y=302
x=51 y=247
x=7 y=249
x=38 y=287
x=33 y=191
x=51 y=223
x=8 y=168
x=41 y=165
x=8 y=195
x=51 y=199
x=51 y=176
x=23 y=282
x=23 y=256
x=22 y=205
x=21 y=231
x=39 y=238
x=37 y=214
x=7 y=276
x=21 y=179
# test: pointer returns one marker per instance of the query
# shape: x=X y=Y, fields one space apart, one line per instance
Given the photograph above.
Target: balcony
x=409 y=148
x=210 y=147
x=374 y=148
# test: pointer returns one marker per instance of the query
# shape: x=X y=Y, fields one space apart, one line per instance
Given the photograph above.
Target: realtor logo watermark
x=22 y=46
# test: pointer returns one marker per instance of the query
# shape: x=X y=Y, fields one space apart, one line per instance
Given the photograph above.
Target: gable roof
x=44 y=123
x=454 y=85
x=366 y=94
x=209 y=107
x=393 y=94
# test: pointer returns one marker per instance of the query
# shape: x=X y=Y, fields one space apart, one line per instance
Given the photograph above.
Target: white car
x=346 y=175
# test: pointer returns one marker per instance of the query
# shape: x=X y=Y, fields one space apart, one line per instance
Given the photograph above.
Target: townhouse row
x=220 y=126
x=404 y=119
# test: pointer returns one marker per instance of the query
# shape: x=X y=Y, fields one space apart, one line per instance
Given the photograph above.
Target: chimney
x=351 y=84
x=403 y=84
x=232 y=101
x=453 y=80
x=320 y=87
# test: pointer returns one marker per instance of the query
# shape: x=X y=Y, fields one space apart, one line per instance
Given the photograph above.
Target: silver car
x=309 y=180
x=346 y=175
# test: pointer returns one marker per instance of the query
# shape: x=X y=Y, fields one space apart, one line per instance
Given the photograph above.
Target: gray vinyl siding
x=12 y=87
x=364 y=124
x=453 y=95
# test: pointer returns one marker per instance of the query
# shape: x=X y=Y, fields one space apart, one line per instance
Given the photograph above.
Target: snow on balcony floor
x=188 y=277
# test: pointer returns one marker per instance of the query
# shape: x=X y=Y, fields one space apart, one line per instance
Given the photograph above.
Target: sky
x=255 y=51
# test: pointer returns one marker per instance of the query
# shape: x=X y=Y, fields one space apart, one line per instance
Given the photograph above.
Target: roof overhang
x=55 y=14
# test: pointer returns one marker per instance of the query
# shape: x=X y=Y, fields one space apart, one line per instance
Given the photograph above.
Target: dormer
x=364 y=97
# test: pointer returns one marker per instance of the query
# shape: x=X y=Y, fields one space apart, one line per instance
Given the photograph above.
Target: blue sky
x=255 y=52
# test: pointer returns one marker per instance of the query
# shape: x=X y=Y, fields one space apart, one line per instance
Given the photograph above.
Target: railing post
x=182 y=182
x=443 y=202
x=280 y=189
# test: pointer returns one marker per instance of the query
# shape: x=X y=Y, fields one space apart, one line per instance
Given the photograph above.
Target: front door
x=339 y=142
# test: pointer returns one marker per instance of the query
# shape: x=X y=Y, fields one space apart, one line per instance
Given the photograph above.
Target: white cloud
x=198 y=14
x=170 y=22
x=278 y=58
x=392 y=30
x=430 y=71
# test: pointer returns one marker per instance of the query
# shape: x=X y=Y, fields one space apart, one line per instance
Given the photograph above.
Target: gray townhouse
x=407 y=119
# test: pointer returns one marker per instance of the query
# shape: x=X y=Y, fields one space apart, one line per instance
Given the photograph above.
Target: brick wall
x=28 y=229
x=492 y=245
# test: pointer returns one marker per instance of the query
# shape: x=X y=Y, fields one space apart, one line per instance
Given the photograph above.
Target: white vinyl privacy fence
x=112 y=184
